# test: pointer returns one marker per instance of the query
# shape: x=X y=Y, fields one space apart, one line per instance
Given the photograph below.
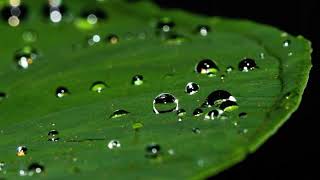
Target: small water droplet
x=137 y=80
x=119 y=113
x=228 y=106
x=290 y=53
x=165 y=25
x=262 y=55
x=192 y=88
x=197 y=112
x=286 y=43
x=203 y=30
x=153 y=150
x=98 y=86
x=243 y=131
x=137 y=126
x=181 y=113
x=25 y=57
x=222 y=77
x=62 y=92
x=29 y=36
x=196 y=130
x=2 y=166
x=114 y=144
x=22 y=150
x=206 y=66
x=53 y=135
x=229 y=69
x=247 y=65
x=112 y=39
x=35 y=168
x=243 y=115
x=213 y=114
x=217 y=97
x=165 y=102
x=2 y=96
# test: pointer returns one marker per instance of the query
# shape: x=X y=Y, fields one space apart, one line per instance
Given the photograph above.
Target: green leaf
x=98 y=81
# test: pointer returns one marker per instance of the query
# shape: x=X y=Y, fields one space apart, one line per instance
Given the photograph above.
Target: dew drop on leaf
x=119 y=113
x=197 y=112
x=206 y=66
x=114 y=144
x=229 y=69
x=35 y=168
x=196 y=130
x=22 y=150
x=247 y=65
x=181 y=113
x=137 y=80
x=203 y=30
x=98 y=86
x=53 y=135
x=165 y=24
x=153 y=150
x=2 y=165
x=191 y=88
x=112 y=39
x=217 y=97
x=213 y=114
x=62 y=92
x=165 y=102
x=25 y=57
x=286 y=43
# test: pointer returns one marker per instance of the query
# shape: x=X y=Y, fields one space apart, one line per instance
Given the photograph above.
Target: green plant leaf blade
x=269 y=94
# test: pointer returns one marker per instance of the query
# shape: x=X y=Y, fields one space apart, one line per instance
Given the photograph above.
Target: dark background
x=292 y=151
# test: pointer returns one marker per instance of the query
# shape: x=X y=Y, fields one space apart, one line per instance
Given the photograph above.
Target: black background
x=292 y=151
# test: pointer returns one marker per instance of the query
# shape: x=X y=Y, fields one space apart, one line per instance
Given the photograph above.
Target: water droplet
x=222 y=77
x=22 y=150
x=165 y=25
x=228 y=106
x=119 y=113
x=54 y=10
x=165 y=102
x=206 y=66
x=29 y=36
x=243 y=115
x=62 y=92
x=262 y=55
x=53 y=135
x=112 y=39
x=197 y=112
x=247 y=64
x=153 y=150
x=213 y=114
x=196 y=130
x=114 y=144
x=2 y=96
x=25 y=57
x=137 y=80
x=192 y=88
x=98 y=86
x=290 y=53
x=35 y=168
x=217 y=97
x=89 y=18
x=203 y=30
x=14 y=13
x=229 y=69
x=286 y=43
x=137 y=126
x=2 y=166
x=181 y=113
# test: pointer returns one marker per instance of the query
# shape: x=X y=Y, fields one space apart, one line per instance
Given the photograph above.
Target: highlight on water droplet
x=62 y=92
x=203 y=30
x=165 y=102
x=25 y=57
x=165 y=24
x=153 y=150
x=21 y=151
x=217 y=97
x=119 y=113
x=247 y=65
x=286 y=43
x=191 y=88
x=206 y=66
x=114 y=144
x=229 y=69
x=112 y=39
x=137 y=80
x=181 y=113
x=213 y=114
x=53 y=135
x=197 y=112
x=98 y=86
x=89 y=18
x=35 y=168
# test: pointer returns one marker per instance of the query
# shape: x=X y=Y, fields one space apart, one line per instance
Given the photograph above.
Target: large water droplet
x=206 y=66
x=35 y=168
x=53 y=135
x=197 y=112
x=98 y=86
x=217 y=97
x=165 y=102
x=25 y=57
x=203 y=30
x=119 y=113
x=62 y=92
x=191 y=88
x=228 y=106
x=137 y=80
x=153 y=150
x=114 y=144
x=286 y=43
x=22 y=150
x=247 y=64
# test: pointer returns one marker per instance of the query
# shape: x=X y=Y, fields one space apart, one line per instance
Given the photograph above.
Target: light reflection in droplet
x=92 y=19
x=55 y=16
x=13 y=21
